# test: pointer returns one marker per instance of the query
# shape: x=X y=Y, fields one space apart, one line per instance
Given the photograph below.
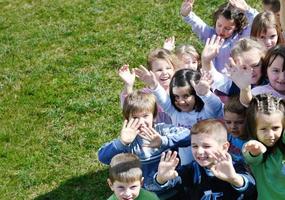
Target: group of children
x=207 y=126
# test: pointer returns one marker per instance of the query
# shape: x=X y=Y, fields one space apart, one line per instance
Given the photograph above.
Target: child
x=234 y=114
x=212 y=175
x=273 y=6
x=162 y=63
x=140 y=136
x=265 y=154
x=266 y=30
x=274 y=66
x=125 y=179
x=190 y=100
x=186 y=54
x=232 y=22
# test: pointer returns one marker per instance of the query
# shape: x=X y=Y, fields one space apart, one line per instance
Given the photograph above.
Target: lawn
x=59 y=90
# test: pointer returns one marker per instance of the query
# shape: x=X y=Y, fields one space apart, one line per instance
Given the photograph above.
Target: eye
x=262 y=37
x=275 y=128
x=186 y=96
x=272 y=36
x=134 y=187
x=194 y=146
x=274 y=70
x=206 y=146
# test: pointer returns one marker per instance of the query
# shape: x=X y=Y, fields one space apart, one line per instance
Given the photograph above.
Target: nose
x=127 y=192
x=267 y=41
x=270 y=134
x=200 y=150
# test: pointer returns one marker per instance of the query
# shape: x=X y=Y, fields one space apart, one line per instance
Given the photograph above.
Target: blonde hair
x=246 y=44
x=139 y=101
x=162 y=54
x=125 y=167
x=211 y=127
x=187 y=49
x=262 y=22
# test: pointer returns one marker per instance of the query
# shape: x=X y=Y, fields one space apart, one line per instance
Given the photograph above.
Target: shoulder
x=144 y=194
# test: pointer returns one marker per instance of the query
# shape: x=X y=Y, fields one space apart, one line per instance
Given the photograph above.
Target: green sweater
x=144 y=195
x=270 y=180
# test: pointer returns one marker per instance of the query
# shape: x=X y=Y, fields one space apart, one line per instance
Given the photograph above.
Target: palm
x=241 y=77
x=128 y=134
x=167 y=169
x=224 y=170
x=127 y=76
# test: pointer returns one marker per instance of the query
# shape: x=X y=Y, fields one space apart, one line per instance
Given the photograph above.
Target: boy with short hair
x=212 y=174
x=140 y=136
x=125 y=179
x=234 y=115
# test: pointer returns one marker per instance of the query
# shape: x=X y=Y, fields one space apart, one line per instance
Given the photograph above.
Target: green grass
x=59 y=91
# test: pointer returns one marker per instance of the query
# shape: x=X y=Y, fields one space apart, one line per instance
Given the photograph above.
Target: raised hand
x=166 y=168
x=169 y=43
x=186 y=7
x=129 y=131
x=146 y=76
x=241 y=76
x=240 y=4
x=204 y=84
x=211 y=49
x=254 y=147
x=127 y=75
x=151 y=135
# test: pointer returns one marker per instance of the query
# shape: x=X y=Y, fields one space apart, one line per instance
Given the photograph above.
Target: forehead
x=250 y=57
x=204 y=138
x=232 y=116
x=273 y=119
x=181 y=90
x=159 y=63
x=268 y=31
x=125 y=184
x=225 y=22
x=278 y=62
x=141 y=113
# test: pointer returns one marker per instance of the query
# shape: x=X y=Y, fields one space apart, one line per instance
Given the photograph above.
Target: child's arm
x=128 y=76
x=210 y=51
x=199 y=27
x=253 y=151
x=169 y=43
x=128 y=134
x=223 y=169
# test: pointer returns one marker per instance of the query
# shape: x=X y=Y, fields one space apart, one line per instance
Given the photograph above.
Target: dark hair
x=233 y=105
x=232 y=13
x=267 y=104
x=274 y=5
x=182 y=78
x=278 y=50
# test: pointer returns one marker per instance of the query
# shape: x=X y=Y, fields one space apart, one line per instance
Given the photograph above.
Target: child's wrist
x=236 y=181
x=160 y=180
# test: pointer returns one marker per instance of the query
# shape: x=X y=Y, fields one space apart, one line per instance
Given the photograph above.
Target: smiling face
x=125 y=191
x=163 y=72
x=145 y=118
x=184 y=100
x=202 y=144
x=276 y=76
x=269 y=38
x=225 y=28
x=251 y=60
x=269 y=127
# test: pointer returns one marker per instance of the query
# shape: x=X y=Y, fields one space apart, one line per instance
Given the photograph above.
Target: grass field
x=59 y=91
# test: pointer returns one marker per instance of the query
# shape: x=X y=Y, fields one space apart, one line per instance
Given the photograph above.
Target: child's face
x=126 y=191
x=269 y=38
x=145 y=118
x=269 y=127
x=202 y=144
x=234 y=123
x=225 y=27
x=276 y=76
x=163 y=72
x=183 y=99
x=251 y=59
x=188 y=61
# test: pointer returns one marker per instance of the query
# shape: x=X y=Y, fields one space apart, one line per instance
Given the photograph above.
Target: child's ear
x=142 y=181
x=226 y=146
x=110 y=184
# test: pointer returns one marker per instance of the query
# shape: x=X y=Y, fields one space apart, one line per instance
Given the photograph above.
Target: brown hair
x=233 y=105
x=211 y=127
x=230 y=12
x=163 y=54
x=266 y=104
x=262 y=22
x=125 y=167
x=274 y=5
x=139 y=101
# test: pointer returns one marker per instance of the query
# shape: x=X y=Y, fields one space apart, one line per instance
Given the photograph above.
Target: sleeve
x=250 y=15
x=213 y=105
x=178 y=137
x=248 y=188
x=252 y=160
x=109 y=150
x=163 y=100
x=199 y=27
x=221 y=81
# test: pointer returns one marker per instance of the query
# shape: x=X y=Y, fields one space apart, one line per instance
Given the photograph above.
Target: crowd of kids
x=210 y=125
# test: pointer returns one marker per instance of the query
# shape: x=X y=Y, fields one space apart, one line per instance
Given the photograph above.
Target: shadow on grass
x=91 y=186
